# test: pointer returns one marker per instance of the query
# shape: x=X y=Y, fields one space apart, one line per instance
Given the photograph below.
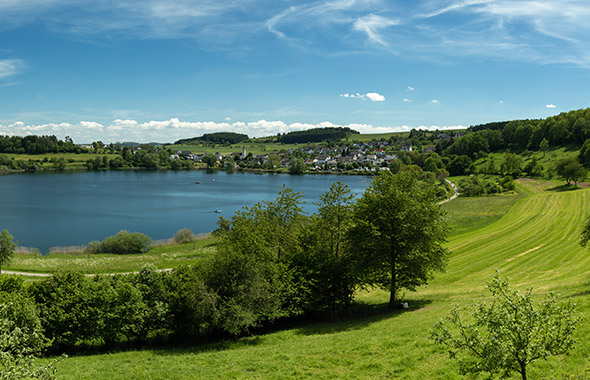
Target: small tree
x=210 y=160
x=508 y=334
x=570 y=170
x=296 y=166
x=585 y=236
x=7 y=247
x=184 y=235
x=544 y=145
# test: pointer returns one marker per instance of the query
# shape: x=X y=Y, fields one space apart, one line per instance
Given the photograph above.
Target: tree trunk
x=523 y=370
x=393 y=287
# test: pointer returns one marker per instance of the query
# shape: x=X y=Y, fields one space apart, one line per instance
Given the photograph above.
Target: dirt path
x=454 y=195
x=87 y=275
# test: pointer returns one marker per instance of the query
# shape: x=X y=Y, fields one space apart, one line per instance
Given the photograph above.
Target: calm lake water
x=62 y=209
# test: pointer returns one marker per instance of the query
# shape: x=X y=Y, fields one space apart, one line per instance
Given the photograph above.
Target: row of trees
x=216 y=138
x=37 y=145
x=316 y=135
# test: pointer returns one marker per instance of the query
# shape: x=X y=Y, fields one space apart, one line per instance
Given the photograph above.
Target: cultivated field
x=535 y=243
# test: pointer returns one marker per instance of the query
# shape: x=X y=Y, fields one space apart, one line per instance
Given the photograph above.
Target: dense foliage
x=571 y=127
x=217 y=138
x=37 y=145
x=122 y=243
x=399 y=233
x=7 y=246
x=316 y=135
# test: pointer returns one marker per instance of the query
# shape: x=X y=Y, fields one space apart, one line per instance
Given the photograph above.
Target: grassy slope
x=535 y=244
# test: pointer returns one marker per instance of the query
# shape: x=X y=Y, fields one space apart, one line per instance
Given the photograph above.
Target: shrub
x=93 y=247
x=184 y=236
x=126 y=242
x=508 y=183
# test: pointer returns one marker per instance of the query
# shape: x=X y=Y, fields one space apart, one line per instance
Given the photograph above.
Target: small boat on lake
x=218 y=211
x=197 y=182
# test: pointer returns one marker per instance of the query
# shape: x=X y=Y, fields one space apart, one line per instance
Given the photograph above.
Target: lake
x=44 y=210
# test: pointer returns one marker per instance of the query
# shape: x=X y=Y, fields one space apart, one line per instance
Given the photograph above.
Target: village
x=369 y=156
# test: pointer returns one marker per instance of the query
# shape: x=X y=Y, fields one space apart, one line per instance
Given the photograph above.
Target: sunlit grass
x=162 y=257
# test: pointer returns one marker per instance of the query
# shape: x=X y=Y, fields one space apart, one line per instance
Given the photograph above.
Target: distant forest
x=37 y=145
x=217 y=138
x=568 y=128
x=316 y=135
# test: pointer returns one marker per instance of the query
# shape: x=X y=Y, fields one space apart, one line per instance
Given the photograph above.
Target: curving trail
x=31 y=274
x=454 y=196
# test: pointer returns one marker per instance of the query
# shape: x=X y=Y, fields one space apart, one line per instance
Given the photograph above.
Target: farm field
x=535 y=244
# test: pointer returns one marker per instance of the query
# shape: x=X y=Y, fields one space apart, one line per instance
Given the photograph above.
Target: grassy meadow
x=531 y=237
x=74 y=161
x=161 y=257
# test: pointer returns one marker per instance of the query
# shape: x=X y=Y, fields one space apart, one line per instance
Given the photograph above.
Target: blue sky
x=159 y=70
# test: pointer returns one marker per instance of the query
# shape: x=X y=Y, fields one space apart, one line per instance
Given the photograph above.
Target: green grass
x=462 y=218
x=78 y=161
x=535 y=243
x=161 y=257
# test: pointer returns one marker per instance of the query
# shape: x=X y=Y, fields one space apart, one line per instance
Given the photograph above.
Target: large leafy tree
x=7 y=246
x=325 y=261
x=399 y=232
x=508 y=334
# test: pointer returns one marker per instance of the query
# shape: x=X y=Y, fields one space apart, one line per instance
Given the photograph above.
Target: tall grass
x=68 y=250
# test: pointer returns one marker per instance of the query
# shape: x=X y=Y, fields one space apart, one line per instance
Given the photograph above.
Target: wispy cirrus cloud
x=372 y=25
x=540 y=31
x=11 y=67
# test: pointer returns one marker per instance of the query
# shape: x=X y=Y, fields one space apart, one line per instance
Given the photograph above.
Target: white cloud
x=435 y=101
x=454 y=7
x=408 y=100
x=174 y=129
x=551 y=106
x=372 y=96
x=375 y=97
x=411 y=88
x=372 y=25
x=10 y=67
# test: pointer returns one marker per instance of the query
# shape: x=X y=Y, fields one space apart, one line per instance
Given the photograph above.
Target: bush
x=93 y=247
x=508 y=183
x=184 y=236
x=126 y=242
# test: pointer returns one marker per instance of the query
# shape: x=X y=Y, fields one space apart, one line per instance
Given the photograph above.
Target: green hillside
x=535 y=243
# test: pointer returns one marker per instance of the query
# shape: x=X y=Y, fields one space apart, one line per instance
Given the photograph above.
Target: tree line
x=316 y=135
x=571 y=127
x=216 y=138
x=38 y=145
